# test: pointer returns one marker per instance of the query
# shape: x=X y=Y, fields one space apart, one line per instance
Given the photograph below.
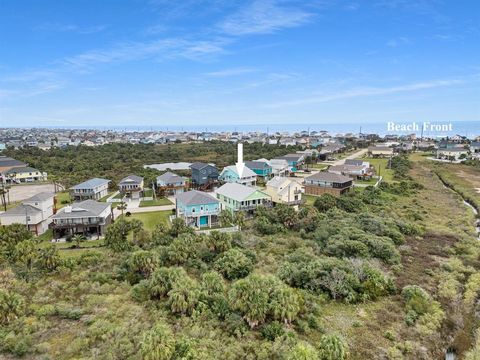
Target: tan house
x=380 y=151
x=34 y=212
x=284 y=191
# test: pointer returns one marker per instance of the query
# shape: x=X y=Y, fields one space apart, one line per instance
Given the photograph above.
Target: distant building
x=197 y=208
x=324 y=182
x=171 y=184
x=355 y=169
x=24 y=175
x=295 y=161
x=34 y=212
x=8 y=163
x=93 y=189
x=283 y=190
x=452 y=153
x=131 y=186
x=88 y=217
x=237 y=197
x=203 y=173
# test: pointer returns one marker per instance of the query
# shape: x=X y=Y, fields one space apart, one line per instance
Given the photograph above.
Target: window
x=201 y=208
x=193 y=210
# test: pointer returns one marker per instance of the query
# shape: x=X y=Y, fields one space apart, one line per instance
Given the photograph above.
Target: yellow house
x=284 y=191
x=25 y=174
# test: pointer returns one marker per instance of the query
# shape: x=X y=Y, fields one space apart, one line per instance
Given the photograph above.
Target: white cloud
x=231 y=72
x=263 y=17
x=58 y=27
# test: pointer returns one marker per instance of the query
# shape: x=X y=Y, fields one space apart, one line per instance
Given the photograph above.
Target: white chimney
x=240 y=153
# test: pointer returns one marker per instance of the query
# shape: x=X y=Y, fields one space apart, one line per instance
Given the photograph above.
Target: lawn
x=151 y=219
x=104 y=199
x=381 y=167
x=63 y=199
x=319 y=166
x=148 y=193
x=155 y=202
x=310 y=199
x=372 y=181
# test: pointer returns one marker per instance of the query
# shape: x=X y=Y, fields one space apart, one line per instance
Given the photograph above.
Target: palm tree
x=11 y=306
x=158 y=343
x=333 y=347
x=136 y=226
x=240 y=219
x=49 y=257
x=122 y=206
x=78 y=238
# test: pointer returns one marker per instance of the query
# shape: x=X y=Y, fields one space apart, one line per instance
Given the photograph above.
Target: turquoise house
x=295 y=161
x=230 y=175
x=261 y=168
x=197 y=208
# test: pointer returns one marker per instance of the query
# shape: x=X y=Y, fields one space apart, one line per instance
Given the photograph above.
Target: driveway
x=21 y=192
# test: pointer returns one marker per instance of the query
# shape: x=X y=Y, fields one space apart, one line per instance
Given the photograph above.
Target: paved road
x=355 y=155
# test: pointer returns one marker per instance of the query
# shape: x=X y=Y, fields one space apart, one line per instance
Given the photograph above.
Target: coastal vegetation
x=383 y=273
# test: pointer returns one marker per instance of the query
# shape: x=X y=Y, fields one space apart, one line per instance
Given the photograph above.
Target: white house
x=284 y=191
x=94 y=189
x=34 y=212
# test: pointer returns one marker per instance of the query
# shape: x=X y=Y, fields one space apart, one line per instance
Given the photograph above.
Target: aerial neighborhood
x=201 y=191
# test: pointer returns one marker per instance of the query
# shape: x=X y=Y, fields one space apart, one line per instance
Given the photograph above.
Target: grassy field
x=104 y=199
x=155 y=202
x=381 y=167
x=151 y=219
x=318 y=166
x=372 y=181
x=63 y=199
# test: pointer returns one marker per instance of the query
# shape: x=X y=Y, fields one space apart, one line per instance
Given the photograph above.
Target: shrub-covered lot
x=365 y=276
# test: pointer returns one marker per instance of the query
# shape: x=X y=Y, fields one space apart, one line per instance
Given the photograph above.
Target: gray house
x=93 y=189
x=203 y=173
x=171 y=184
x=131 y=186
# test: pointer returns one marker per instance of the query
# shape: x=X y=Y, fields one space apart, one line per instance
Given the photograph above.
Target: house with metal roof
x=261 y=168
x=197 y=208
x=171 y=184
x=231 y=174
x=284 y=191
x=87 y=217
x=203 y=173
x=24 y=174
x=295 y=161
x=34 y=212
x=93 y=189
x=238 y=197
x=131 y=186
x=325 y=182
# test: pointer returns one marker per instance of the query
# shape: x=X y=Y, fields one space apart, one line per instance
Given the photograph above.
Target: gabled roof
x=8 y=161
x=345 y=168
x=22 y=169
x=294 y=157
x=43 y=196
x=257 y=164
x=278 y=181
x=245 y=173
x=379 y=148
x=170 y=177
x=200 y=165
x=195 y=197
x=131 y=179
x=87 y=208
x=21 y=210
x=237 y=191
x=90 y=184
x=353 y=162
x=328 y=177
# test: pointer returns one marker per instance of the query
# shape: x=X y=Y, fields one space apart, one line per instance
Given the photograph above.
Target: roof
x=90 y=184
x=131 y=178
x=380 y=148
x=195 y=197
x=296 y=157
x=87 y=208
x=170 y=177
x=328 y=177
x=353 y=162
x=40 y=197
x=200 y=165
x=236 y=191
x=21 y=169
x=257 y=164
x=21 y=210
x=278 y=181
x=453 y=150
x=8 y=161
x=346 y=167
x=245 y=173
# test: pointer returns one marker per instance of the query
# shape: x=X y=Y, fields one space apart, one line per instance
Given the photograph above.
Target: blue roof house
x=197 y=208
x=261 y=168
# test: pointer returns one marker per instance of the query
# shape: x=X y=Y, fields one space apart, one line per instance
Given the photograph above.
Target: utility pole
x=3 y=195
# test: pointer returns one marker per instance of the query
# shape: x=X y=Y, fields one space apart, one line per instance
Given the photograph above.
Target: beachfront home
x=230 y=174
x=88 y=217
x=24 y=175
x=284 y=191
x=93 y=189
x=353 y=168
x=261 y=168
x=475 y=146
x=131 y=186
x=171 y=184
x=34 y=212
x=203 y=173
x=452 y=153
x=380 y=151
x=197 y=208
x=325 y=182
x=238 y=197
x=295 y=161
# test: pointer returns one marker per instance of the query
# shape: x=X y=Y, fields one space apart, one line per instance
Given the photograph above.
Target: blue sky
x=161 y=62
